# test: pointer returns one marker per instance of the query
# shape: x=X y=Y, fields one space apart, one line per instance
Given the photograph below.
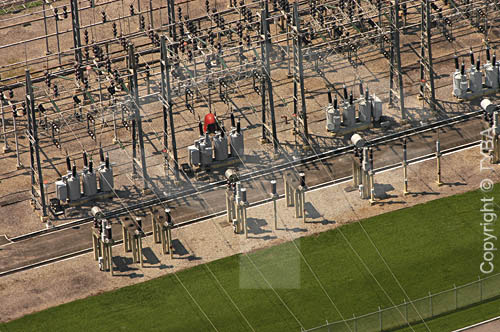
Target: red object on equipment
x=209 y=123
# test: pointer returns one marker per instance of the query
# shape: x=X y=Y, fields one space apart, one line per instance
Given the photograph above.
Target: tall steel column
x=37 y=189
x=134 y=95
x=171 y=19
x=298 y=77
x=267 y=74
x=396 y=76
x=427 y=90
x=166 y=94
x=75 y=20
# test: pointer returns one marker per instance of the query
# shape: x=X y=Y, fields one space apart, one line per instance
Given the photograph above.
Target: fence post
x=406 y=310
x=456 y=302
x=380 y=318
x=355 y=323
x=480 y=289
x=328 y=325
x=430 y=303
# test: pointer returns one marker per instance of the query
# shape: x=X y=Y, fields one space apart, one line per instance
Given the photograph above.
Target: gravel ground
x=30 y=291
x=14 y=184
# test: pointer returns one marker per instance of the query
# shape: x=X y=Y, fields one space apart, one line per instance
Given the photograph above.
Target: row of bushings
x=473 y=83
x=369 y=108
x=220 y=147
x=69 y=188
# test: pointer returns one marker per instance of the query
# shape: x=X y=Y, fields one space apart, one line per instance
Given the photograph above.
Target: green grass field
x=428 y=247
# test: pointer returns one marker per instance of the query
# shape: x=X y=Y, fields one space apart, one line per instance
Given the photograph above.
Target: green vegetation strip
x=428 y=247
x=18 y=8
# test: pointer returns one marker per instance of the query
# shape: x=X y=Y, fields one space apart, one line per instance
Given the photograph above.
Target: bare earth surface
x=26 y=292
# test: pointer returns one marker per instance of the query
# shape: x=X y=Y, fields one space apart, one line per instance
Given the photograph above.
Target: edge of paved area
x=486 y=322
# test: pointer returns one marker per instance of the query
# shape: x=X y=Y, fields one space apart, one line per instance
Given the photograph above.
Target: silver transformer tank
x=333 y=119
x=73 y=185
x=349 y=114
x=237 y=142
x=475 y=76
x=460 y=84
x=194 y=154
x=364 y=105
x=106 y=183
x=61 y=186
x=348 y=110
x=365 y=111
x=201 y=152
x=376 y=108
x=491 y=71
x=206 y=150
x=221 y=149
x=89 y=181
x=61 y=190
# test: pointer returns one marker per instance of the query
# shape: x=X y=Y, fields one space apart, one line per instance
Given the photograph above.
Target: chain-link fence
x=417 y=310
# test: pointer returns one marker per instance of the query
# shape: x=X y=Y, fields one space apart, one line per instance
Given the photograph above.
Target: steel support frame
x=266 y=74
x=75 y=20
x=37 y=189
x=134 y=95
x=166 y=94
x=396 y=75
x=427 y=88
x=300 y=120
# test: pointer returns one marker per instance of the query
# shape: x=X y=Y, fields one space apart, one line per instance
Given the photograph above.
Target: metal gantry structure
x=192 y=56
x=427 y=87
x=396 y=89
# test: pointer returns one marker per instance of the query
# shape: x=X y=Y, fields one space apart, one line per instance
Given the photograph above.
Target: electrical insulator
x=115 y=31
x=56 y=91
x=190 y=55
x=11 y=94
x=108 y=65
x=103 y=14
x=14 y=112
x=111 y=90
x=136 y=59
x=65 y=12
x=142 y=23
x=78 y=73
x=132 y=10
x=55 y=14
x=86 y=36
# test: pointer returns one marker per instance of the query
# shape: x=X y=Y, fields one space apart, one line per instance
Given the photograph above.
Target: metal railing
x=414 y=311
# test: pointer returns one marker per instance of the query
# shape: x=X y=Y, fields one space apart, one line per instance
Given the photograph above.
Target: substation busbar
x=132 y=237
x=295 y=189
x=405 y=168
x=236 y=202
x=274 y=196
x=102 y=240
x=166 y=233
x=162 y=229
x=362 y=168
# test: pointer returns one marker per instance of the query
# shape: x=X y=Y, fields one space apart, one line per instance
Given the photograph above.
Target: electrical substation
x=144 y=116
